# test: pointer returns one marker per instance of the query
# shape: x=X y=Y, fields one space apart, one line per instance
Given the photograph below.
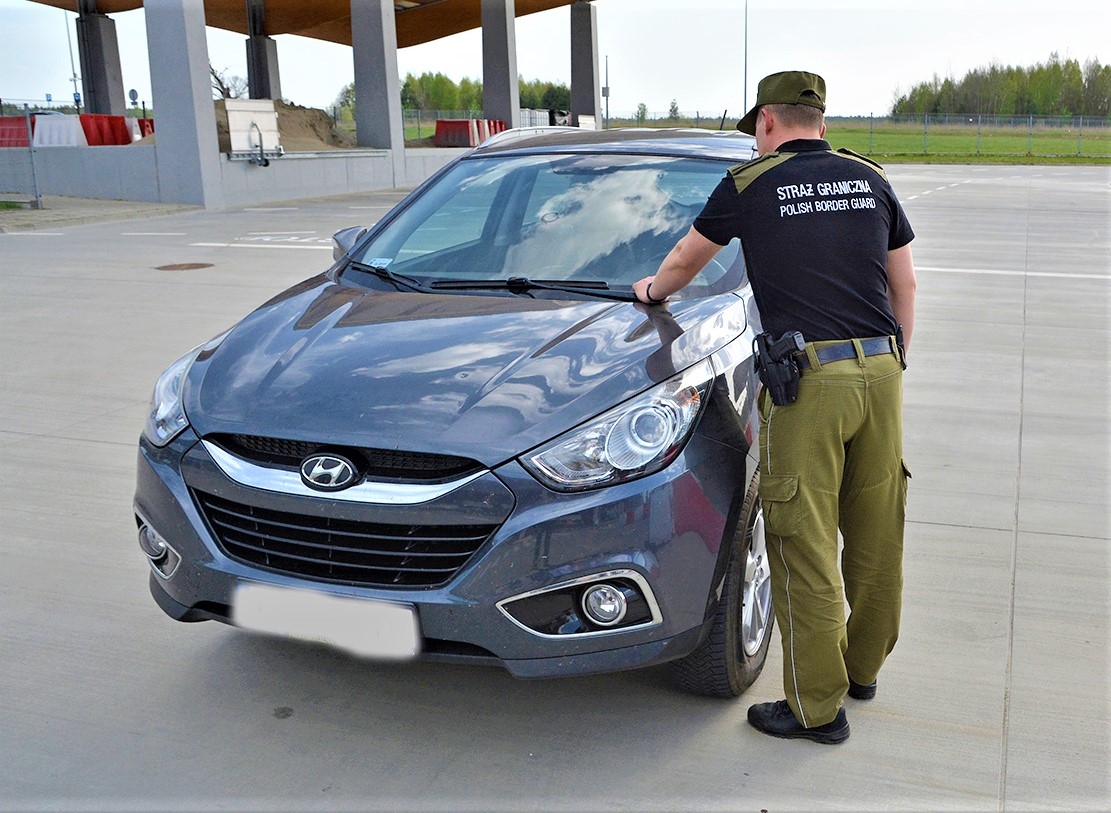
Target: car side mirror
x=345 y=239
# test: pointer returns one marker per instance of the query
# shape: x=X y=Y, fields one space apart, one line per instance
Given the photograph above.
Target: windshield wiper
x=399 y=280
x=522 y=285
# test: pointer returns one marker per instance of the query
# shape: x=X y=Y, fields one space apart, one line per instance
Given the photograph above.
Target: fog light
x=152 y=544
x=604 y=604
x=163 y=558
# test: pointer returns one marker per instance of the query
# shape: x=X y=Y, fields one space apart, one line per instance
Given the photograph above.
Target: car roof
x=726 y=144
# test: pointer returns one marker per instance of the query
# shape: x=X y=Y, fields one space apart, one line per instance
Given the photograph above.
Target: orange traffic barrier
x=465 y=132
x=120 y=132
x=455 y=133
x=103 y=130
x=13 y=131
x=92 y=131
x=99 y=129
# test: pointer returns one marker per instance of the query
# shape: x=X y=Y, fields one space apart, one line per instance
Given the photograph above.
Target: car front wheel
x=731 y=657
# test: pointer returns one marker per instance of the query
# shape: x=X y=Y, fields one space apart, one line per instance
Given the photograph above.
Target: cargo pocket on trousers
x=779 y=496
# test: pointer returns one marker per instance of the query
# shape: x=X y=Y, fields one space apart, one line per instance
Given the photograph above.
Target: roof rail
x=518 y=133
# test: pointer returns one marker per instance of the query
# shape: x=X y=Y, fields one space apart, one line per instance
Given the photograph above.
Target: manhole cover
x=182 y=267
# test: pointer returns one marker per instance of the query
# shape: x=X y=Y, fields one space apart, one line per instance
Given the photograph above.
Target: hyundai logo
x=327 y=472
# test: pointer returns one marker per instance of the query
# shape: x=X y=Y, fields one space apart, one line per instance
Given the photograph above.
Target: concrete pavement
x=996 y=697
x=58 y=212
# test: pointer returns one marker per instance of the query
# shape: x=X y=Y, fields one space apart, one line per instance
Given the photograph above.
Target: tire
x=732 y=656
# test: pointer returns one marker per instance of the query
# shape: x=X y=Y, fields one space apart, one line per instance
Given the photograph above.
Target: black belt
x=878 y=346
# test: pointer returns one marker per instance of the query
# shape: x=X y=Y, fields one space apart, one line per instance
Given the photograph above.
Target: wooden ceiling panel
x=417 y=21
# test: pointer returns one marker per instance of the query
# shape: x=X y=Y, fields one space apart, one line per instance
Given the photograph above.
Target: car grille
x=381 y=464
x=336 y=550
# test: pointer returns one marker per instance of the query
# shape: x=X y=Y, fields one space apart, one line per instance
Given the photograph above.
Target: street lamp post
x=746 y=59
x=72 y=67
x=606 y=92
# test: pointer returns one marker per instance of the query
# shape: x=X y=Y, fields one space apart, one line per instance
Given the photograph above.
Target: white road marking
x=1002 y=273
x=263 y=245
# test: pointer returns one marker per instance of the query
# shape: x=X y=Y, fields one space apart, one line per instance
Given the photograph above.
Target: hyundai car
x=466 y=439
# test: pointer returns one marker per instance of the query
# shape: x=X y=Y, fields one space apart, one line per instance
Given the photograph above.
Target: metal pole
x=37 y=202
x=1030 y=137
x=871 y=133
x=746 y=58
x=607 y=91
x=1080 y=137
x=926 y=134
x=979 y=121
x=72 y=68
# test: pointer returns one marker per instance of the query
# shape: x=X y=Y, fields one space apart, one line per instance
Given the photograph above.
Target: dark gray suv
x=466 y=440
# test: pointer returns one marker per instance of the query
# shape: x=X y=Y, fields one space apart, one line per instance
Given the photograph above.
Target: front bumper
x=665 y=532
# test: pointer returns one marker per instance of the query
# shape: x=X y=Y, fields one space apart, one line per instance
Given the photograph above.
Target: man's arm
x=901 y=284
x=679 y=267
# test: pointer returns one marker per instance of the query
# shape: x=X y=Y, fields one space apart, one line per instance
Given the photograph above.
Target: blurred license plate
x=373 y=629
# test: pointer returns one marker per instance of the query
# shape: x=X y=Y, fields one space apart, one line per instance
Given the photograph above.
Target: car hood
x=485 y=377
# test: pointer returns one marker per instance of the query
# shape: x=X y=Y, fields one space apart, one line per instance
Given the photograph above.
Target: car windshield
x=568 y=218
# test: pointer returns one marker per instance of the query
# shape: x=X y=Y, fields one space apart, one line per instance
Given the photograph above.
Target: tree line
x=1054 y=88
x=435 y=91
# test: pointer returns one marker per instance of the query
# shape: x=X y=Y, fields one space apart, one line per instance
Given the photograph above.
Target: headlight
x=637 y=438
x=167 y=414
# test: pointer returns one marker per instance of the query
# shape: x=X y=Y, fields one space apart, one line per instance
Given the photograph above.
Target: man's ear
x=769 y=119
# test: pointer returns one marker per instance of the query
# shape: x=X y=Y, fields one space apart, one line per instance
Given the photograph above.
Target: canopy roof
x=417 y=20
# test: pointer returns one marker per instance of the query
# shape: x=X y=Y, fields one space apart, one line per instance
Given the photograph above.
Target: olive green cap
x=788 y=87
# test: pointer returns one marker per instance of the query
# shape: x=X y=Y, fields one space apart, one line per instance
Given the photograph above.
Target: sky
x=692 y=52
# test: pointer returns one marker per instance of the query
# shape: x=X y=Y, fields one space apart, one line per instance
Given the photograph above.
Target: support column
x=187 y=154
x=263 y=78
x=501 y=93
x=378 y=119
x=101 y=76
x=586 y=89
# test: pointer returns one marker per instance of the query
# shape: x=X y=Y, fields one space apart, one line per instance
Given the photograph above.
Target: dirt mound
x=309 y=128
x=302 y=129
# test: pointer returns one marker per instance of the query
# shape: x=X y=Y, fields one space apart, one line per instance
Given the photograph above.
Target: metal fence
x=981 y=135
x=982 y=120
x=951 y=134
x=19 y=181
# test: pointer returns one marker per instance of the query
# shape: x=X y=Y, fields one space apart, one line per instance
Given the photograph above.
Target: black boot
x=862 y=691
x=778 y=720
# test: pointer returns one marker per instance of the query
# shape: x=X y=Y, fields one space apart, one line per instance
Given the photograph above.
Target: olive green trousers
x=834 y=460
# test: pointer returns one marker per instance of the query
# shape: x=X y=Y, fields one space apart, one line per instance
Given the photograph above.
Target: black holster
x=776 y=365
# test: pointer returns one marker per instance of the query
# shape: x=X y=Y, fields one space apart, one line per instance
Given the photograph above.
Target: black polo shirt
x=815 y=226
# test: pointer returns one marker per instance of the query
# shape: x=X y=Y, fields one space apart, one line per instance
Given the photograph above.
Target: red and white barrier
x=465 y=132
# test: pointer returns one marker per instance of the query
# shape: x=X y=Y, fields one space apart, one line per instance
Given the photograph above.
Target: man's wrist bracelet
x=652 y=299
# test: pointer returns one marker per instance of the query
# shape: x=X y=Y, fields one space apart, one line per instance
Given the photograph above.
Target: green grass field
x=912 y=142
x=951 y=143
x=965 y=142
